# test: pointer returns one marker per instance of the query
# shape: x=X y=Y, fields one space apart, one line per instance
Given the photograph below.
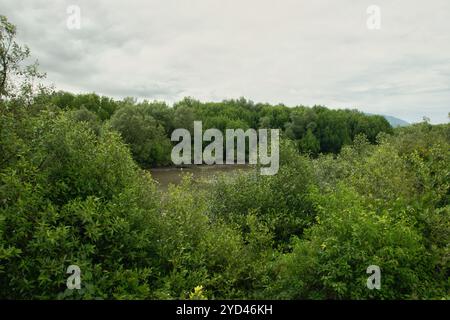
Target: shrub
x=75 y=198
x=280 y=201
x=330 y=262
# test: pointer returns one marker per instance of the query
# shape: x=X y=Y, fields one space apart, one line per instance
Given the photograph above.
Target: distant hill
x=395 y=122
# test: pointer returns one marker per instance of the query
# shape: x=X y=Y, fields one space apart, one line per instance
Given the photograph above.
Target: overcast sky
x=294 y=52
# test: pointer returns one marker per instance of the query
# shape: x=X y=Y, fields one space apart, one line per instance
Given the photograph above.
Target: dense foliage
x=351 y=192
x=70 y=194
x=147 y=126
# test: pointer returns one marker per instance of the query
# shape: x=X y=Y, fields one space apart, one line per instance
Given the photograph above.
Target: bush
x=75 y=198
x=200 y=251
x=330 y=262
x=280 y=201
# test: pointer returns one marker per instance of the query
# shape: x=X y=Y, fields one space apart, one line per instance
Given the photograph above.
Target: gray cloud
x=289 y=51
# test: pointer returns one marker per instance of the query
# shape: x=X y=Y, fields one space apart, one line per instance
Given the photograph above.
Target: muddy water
x=172 y=175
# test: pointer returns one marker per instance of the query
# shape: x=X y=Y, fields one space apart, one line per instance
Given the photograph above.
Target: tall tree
x=13 y=73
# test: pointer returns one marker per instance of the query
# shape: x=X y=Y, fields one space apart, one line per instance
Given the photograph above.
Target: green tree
x=14 y=76
x=309 y=143
x=147 y=138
